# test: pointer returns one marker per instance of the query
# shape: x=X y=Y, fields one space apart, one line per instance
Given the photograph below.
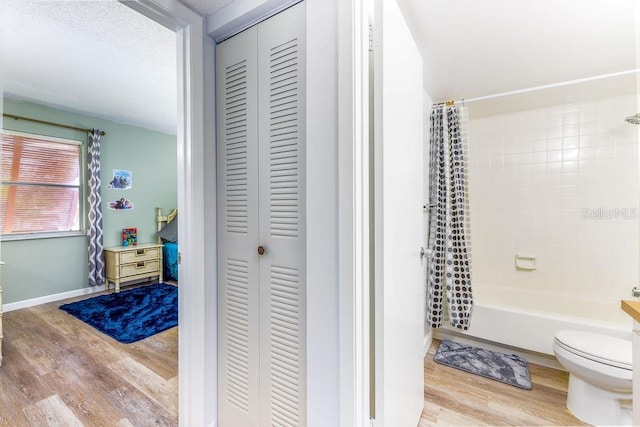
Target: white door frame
x=353 y=196
x=194 y=371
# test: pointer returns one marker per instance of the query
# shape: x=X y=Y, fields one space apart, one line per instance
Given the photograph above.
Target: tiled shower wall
x=560 y=184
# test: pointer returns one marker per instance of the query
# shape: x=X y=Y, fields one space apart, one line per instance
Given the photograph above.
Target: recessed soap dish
x=525 y=262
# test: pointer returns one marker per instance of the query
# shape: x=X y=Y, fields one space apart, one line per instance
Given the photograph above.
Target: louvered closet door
x=238 y=305
x=281 y=85
x=260 y=83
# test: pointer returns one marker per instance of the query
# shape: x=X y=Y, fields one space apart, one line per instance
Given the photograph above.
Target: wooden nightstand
x=127 y=263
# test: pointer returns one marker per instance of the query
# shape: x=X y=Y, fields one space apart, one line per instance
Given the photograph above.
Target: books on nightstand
x=129 y=237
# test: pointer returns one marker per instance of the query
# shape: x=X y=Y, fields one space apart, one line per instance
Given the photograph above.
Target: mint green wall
x=41 y=267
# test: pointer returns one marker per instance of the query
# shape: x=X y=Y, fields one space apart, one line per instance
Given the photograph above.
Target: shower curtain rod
x=536 y=88
x=13 y=116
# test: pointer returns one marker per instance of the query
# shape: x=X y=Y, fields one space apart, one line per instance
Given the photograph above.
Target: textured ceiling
x=206 y=7
x=103 y=59
x=93 y=57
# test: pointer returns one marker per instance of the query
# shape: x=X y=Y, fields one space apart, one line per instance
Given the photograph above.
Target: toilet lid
x=600 y=348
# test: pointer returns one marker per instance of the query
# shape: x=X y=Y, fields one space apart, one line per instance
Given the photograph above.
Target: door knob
x=260 y=250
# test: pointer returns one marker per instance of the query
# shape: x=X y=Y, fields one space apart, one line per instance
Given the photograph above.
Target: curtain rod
x=102 y=133
x=536 y=88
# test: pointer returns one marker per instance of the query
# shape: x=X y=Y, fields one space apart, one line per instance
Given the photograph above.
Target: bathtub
x=528 y=321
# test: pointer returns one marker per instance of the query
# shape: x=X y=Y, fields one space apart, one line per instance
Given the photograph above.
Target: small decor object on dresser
x=129 y=237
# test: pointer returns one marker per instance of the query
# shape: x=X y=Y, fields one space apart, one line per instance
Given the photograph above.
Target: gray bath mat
x=507 y=368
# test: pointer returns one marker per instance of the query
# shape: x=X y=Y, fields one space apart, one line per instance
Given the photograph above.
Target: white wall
x=560 y=183
x=323 y=369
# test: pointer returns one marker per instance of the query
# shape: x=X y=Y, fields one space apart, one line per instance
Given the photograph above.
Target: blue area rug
x=131 y=315
x=507 y=368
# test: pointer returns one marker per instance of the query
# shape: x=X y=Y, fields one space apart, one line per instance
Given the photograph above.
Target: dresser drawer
x=141 y=254
x=139 y=267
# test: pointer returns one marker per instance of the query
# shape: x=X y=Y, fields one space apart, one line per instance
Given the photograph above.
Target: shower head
x=634 y=120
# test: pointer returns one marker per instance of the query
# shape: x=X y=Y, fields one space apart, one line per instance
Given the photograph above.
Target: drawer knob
x=260 y=250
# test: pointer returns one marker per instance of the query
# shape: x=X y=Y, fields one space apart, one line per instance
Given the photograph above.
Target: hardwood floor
x=456 y=398
x=58 y=371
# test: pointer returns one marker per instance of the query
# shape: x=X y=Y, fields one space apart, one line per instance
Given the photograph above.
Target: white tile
x=570 y=154
x=539 y=145
x=606 y=109
x=626 y=134
x=554 y=156
x=588 y=128
x=571 y=179
x=524 y=159
x=587 y=141
x=605 y=126
x=524 y=146
x=554 y=132
x=553 y=168
x=587 y=166
x=587 y=153
x=510 y=148
x=625 y=151
x=497 y=162
x=554 y=116
x=539 y=133
x=554 y=144
x=524 y=169
x=571 y=129
x=606 y=138
x=570 y=108
x=604 y=152
x=570 y=142
x=540 y=157
x=510 y=160
x=524 y=181
x=570 y=166
x=538 y=169
x=525 y=134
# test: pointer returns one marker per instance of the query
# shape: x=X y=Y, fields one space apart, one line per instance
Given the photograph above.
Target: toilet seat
x=598 y=348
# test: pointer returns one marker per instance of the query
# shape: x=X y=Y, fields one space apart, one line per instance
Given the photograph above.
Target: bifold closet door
x=238 y=281
x=260 y=83
x=281 y=107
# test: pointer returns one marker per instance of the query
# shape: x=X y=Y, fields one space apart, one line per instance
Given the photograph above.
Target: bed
x=167 y=236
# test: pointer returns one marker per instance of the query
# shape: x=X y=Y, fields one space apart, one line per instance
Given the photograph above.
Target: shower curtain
x=449 y=267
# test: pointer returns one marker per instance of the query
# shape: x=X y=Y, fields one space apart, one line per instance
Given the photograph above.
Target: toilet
x=600 y=376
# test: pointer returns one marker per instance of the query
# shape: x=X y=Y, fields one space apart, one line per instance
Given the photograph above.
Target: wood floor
x=58 y=371
x=456 y=398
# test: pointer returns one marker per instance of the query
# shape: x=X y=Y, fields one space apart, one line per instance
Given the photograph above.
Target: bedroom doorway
x=190 y=85
x=195 y=101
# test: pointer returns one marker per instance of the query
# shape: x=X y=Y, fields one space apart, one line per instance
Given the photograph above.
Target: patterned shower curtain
x=449 y=268
x=94 y=231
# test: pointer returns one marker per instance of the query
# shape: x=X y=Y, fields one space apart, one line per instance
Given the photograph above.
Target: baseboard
x=51 y=298
x=529 y=356
x=426 y=342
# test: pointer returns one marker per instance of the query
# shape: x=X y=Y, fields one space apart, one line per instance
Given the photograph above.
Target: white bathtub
x=529 y=321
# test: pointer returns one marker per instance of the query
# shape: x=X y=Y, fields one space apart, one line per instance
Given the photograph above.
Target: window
x=41 y=186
